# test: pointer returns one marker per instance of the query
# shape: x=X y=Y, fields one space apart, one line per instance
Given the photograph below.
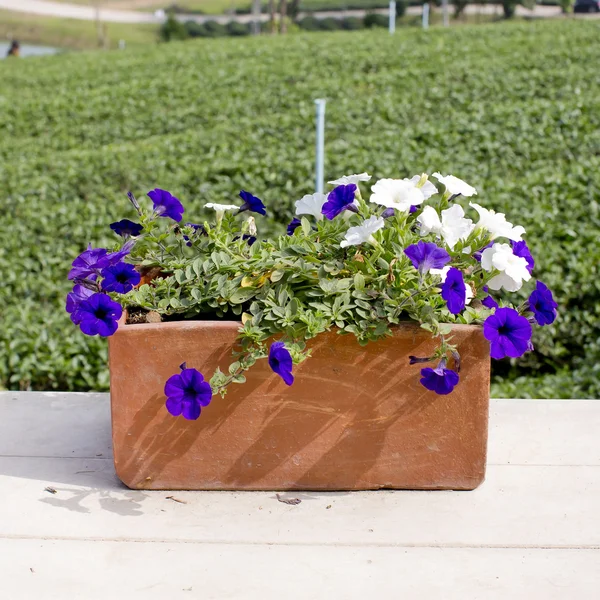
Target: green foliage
x=376 y=20
x=172 y=30
x=510 y=108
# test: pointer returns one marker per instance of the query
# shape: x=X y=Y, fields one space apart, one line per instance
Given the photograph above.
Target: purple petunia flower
x=280 y=360
x=166 y=205
x=79 y=294
x=339 y=199
x=413 y=209
x=454 y=291
x=197 y=229
x=89 y=263
x=187 y=392
x=251 y=203
x=294 y=224
x=439 y=380
x=116 y=257
x=98 y=315
x=521 y=249
x=489 y=302
x=508 y=332
x=542 y=305
x=134 y=202
x=120 y=278
x=388 y=212
x=126 y=228
x=426 y=255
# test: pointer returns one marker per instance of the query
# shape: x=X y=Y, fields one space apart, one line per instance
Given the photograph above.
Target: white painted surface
x=532 y=530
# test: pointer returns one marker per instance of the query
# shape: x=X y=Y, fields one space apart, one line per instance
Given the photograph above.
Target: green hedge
x=511 y=108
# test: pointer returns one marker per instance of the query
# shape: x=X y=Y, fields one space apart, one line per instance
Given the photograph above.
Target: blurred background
x=206 y=97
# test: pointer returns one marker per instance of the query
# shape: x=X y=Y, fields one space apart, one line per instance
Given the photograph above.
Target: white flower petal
x=513 y=269
x=399 y=194
x=497 y=224
x=455 y=185
x=311 y=204
x=428 y=189
x=221 y=207
x=348 y=179
x=430 y=221
x=454 y=225
x=363 y=232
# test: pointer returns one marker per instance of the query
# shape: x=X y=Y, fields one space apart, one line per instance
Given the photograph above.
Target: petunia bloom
x=252 y=203
x=220 y=209
x=187 y=392
x=454 y=291
x=513 y=269
x=443 y=274
x=197 y=230
x=79 y=294
x=426 y=255
x=280 y=360
x=166 y=205
x=521 y=249
x=312 y=204
x=89 y=263
x=496 y=224
x=455 y=185
x=126 y=228
x=363 y=232
x=294 y=224
x=452 y=227
x=120 y=278
x=489 y=302
x=508 y=332
x=339 y=199
x=439 y=380
x=98 y=315
x=399 y=194
x=542 y=305
x=427 y=188
x=348 y=179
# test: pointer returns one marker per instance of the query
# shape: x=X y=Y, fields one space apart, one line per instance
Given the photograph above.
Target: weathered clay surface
x=356 y=417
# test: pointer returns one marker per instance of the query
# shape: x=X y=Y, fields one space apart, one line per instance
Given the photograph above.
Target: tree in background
x=509 y=6
x=459 y=7
x=172 y=29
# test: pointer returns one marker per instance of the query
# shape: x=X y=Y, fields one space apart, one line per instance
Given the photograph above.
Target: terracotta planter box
x=356 y=417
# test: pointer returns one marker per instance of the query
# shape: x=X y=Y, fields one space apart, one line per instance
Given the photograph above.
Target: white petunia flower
x=220 y=209
x=427 y=188
x=497 y=224
x=452 y=226
x=311 y=204
x=399 y=194
x=348 y=179
x=443 y=272
x=513 y=269
x=455 y=185
x=363 y=232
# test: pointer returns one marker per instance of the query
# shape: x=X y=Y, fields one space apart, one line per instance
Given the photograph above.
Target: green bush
x=195 y=29
x=238 y=29
x=376 y=20
x=510 y=108
x=309 y=23
x=352 y=23
x=214 y=29
x=172 y=29
x=330 y=24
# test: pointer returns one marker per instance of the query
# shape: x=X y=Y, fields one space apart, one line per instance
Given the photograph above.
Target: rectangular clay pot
x=356 y=418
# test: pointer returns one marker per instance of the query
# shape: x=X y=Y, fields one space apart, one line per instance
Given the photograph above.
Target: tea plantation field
x=514 y=109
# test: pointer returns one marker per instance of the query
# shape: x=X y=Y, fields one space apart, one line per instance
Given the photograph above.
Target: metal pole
x=319 y=171
x=445 y=11
x=392 y=16
x=256 y=10
x=426 y=15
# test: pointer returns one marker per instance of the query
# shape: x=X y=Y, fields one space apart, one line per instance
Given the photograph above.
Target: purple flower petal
x=508 y=332
x=339 y=199
x=454 y=291
x=426 y=255
x=126 y=228
x=252 y=203
x=440 y=380
x=542 y=305
x=280 y=361
x=186 y=393
x=98 y=315
x=166 y=205
x=120 y=278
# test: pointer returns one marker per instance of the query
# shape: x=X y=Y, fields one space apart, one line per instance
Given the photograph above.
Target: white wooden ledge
x=531 y=531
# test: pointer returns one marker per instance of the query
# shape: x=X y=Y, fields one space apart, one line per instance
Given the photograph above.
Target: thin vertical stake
x=426 y=15
x=392 y=16
x=319 y=170
x=445 y=11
